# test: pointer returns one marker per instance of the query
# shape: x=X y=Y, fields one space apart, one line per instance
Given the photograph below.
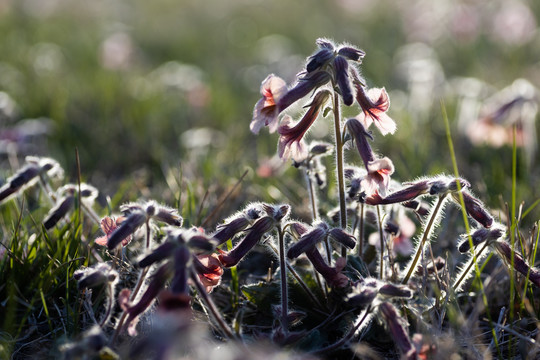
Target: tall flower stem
x=339 y=169
x=138 y=286
x=381 y=236
x=425 y=236
x=283 y=271
x=210 y=305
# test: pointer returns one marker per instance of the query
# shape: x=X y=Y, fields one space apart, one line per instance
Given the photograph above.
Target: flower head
x=266 y=110
x=291 y=143
x=374 y=103
x=108 y=225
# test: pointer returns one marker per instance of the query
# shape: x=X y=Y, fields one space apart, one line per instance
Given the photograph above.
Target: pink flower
x=266 y=110
x=291 y=143
x=378 y=176
x=375 y=104
x=209 y=270
x=108 y=225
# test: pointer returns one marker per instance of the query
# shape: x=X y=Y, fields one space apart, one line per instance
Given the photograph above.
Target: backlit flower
x=266 y=110
x=209 y=270
x=375 y=104
x=108 y=225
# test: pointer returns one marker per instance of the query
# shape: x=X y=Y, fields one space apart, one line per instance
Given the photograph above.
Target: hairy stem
x=339 y=168
x=283 y=278
x=425 y=236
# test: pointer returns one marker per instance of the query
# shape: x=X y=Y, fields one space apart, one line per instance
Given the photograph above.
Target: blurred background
x=149 y=92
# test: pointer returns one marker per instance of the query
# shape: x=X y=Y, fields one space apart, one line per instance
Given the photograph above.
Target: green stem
x=425 y=236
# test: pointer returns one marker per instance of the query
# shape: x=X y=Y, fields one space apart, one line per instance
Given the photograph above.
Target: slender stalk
x=110 y=305
x=301 y=282
x=339 y=169
x=311 y=192
x=211 y=306
x=361 y=231
x=425 y=236
x=381 y=236
x=283 y=272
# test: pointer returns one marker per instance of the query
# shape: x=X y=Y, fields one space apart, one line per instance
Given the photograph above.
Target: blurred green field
x=122 y=81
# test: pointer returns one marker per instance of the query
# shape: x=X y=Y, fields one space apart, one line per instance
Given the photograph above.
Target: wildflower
x=341 y=67
x=319 y=59
x=29 y=174
x=333 y=275
x=259 y=228
x=108 y=225
x=365 y=291
x=474 y=208
x=516 y=259
x=479 y=236
x=397 y=328
x=138 y=214
x=406 y=194
x=237 y=223
x=291 y=142
x=99 y=274
x=266 y=110
x=378 y=170
x=307 y=82
x=319 y=233
x=209 y=270
x=58 y=211
x=374 y=103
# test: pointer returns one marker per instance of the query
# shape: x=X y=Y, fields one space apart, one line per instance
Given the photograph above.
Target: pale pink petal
x=102 y=240
x=266 y=110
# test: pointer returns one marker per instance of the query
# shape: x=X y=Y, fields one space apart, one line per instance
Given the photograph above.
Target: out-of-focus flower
x=398 y=330
x=117 y=51
x=28 y=175
x=108 y=225
x=400 y=229
x=99 y=274
x=514 y=23
x=375 y=103
x=266 y=110
x=209 y=270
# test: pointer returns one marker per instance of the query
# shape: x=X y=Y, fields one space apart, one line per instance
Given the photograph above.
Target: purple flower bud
x=341 y=67
x=325 y=44
x=403 y=195
x=398 y=330
x=59 y=211
x=319 y=59
x=520 y=265
x=361 y=136
x=343 y=237
x=168 y=215
x=396 y=291
x=303 y=87
x=320 y=148
x=351 y=53
x=298 y=229
x=277 y=212
x=430 y=268
x=163 y=251
x=261 y=226
x=133 y=221
x=363 y=298
x=475 y=209
x=99 y=274
x=333 y=276
x=227 y=231
x=480 y=236
x=308 y=240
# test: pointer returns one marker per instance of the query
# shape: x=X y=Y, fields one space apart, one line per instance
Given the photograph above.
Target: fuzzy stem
x=361 y=232
x=311 y=192
x=301 y=282
x=283 y=278
x=339 y=169
x=110 y=305
x=211 y=306
x=425 y=236
x=381 y=236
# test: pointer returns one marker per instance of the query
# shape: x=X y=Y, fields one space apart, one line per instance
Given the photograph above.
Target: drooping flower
x=266 y=110
x=374 y=103
x=108 y=225
x=291 y=143
x=209 y=270
x=378 y=170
